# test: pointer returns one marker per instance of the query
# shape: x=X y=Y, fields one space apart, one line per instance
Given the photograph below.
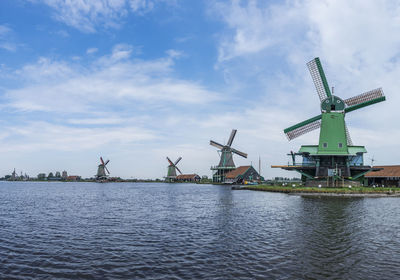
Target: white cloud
x=49 y=137
x=4 y=30
x=91 y=50
x=88 y=15
x=141 y=5
x=5 y=39
x=58 y=86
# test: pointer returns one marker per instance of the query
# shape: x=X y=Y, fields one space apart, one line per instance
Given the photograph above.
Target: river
x=187 y=231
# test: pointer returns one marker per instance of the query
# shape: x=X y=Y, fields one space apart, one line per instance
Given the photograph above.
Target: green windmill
x=226 y=163
x=172 y=167
x=335 y=157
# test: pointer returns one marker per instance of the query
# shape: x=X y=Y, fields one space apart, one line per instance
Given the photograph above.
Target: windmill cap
x=332 y=103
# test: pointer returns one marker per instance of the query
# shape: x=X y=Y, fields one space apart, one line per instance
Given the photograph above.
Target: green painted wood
x=323 y=78
x=302 y=123
x=332 y=137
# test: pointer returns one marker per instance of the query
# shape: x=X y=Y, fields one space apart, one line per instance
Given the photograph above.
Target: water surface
x=187 y=231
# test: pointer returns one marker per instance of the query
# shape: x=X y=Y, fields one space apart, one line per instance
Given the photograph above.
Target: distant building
x=73 y=178
x=188 y=178
x=388 y=176
x=242 y=174
x=64 y=175
x=14 y=176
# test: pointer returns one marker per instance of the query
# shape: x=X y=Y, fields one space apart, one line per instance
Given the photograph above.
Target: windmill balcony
x=222 y=167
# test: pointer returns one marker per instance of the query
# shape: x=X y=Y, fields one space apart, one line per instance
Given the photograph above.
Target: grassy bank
x=353 y=190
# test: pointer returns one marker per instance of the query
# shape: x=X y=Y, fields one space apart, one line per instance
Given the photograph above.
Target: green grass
x=300 y=189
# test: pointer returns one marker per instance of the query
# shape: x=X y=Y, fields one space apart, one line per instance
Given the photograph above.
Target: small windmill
x=226 y=163
x=171 y=175
x=101 y=170
x=335 y=155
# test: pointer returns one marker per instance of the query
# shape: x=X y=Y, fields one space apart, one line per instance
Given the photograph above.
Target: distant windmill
x=101 y=170
x=226 y=163
x=372 y=160
x=171 y=175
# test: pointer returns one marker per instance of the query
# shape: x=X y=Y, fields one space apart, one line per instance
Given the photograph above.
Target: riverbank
x=332 y=192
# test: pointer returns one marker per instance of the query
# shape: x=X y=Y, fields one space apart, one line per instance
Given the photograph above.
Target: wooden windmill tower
x=102 y=169
x=171 y=175
x=226 y=163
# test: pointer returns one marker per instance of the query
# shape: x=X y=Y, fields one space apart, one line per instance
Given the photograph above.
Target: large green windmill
x=335 y=156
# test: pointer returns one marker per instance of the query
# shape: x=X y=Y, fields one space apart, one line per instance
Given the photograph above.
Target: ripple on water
x=183 y=231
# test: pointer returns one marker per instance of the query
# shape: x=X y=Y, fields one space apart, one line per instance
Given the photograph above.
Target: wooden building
x=388 y=176
x=242 y=174
x=188 y=178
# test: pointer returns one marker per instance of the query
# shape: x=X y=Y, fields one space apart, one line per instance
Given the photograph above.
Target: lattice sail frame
x=349 y=141
x=364 y=97
x=303 y=129
x=319 y=79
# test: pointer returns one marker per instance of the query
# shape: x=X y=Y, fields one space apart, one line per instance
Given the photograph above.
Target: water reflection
x=329 y=236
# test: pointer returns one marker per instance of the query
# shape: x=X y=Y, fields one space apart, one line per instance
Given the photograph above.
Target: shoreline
x=328 y=192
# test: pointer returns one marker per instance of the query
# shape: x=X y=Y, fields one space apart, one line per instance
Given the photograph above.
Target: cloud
x=87 y=15
x=46 y=136
x=5 y=39
x=60 y=86
x=91 y=50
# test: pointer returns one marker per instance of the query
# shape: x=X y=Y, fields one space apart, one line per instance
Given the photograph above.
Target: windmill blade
x=107 y=161
x=233 y=133
x=106 y=169
x=366 y=96
x=349 y=142
x=215 y=144
x=303 y=127
x=102 y=161
x=178 y=169
x=170 y=162
x=319 y=79
x=178 y=160
x=364 y=104
x=239 y=153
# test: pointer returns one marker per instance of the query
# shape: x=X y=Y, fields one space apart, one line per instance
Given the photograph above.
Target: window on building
x=325 y=145
x=340 y=145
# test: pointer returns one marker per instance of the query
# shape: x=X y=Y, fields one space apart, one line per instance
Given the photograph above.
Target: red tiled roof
x=73 y=177
x=387 y=171
x=238 y=171
x=186 y=176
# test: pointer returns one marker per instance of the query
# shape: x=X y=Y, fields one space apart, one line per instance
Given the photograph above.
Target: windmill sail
x=172 y=168
x=102 y=168
x=239 y=153
x=303 y=127
x=319 y=79
x=366 y=96
x=226 y=159
x=349 y=142
x=233 y=133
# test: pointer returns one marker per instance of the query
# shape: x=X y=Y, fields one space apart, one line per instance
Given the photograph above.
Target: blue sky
x=138 y=80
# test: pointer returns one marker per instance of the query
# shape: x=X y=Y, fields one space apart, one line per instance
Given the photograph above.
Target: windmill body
x=102 y=169
x=335 y=158
x=172 y=168
x=226 y=163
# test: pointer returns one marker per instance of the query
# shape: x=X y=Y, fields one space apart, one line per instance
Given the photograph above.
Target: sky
x=135 y=81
